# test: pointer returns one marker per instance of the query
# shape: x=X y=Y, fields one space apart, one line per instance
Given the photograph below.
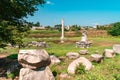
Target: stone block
x=33 y=58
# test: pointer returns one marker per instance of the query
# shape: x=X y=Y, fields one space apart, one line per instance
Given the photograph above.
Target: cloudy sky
x=80 y=12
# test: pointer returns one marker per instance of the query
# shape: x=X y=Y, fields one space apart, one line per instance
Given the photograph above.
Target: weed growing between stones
x=10 y=75
x=12 y=56
x=80 y=69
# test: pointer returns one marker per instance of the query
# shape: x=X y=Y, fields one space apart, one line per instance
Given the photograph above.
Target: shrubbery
x=115 y=29
x=12 y=56
x=80 y=69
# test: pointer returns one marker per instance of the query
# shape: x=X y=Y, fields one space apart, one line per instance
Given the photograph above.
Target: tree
x=115 y=29
x=16 y=10
x=37 y=24
x=102 y=27
x=58 y=27
x=75 y=28
x=12 y=23
x=49 y=27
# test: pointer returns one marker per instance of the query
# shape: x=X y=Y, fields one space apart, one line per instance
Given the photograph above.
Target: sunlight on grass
x=107 y=70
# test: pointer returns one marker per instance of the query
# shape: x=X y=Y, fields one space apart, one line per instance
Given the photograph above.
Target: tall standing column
x=62 y=33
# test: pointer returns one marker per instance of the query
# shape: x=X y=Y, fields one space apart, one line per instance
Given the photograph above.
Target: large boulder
x=43 y=73
x=72 y=55
x=109 y=53
x=54 y=59
x=116 y=48
x=80 y=61
x=33 y=58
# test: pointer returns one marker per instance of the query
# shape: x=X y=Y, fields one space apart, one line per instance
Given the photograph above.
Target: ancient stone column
x=62 y=33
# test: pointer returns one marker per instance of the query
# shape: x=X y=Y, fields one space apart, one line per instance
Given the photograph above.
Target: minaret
x=62 y=33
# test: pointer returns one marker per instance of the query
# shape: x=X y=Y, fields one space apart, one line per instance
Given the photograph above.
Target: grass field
x=109 y=69
x=98 y=44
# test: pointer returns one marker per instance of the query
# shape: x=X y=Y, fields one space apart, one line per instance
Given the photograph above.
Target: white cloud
x=49 y=2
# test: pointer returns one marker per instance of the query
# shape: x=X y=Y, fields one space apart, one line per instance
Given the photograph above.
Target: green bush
x=13 y=56
x=115 y=29
x=80 y=69
x=10 y=75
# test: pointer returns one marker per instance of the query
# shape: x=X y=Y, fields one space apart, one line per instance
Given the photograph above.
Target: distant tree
x=37 y=24
x=115 y=29
x=102 y=27
x=86 y=27
x=75 y=27
x=30 y=24
x=58 y=27
x=49 y=27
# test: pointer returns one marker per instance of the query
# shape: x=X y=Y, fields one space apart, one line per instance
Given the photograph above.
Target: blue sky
x=80 y=12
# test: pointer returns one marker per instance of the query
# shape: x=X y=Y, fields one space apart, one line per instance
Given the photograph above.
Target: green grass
x=61 y=49
x=44 y=31
x=103 y=71
x=107 y=70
